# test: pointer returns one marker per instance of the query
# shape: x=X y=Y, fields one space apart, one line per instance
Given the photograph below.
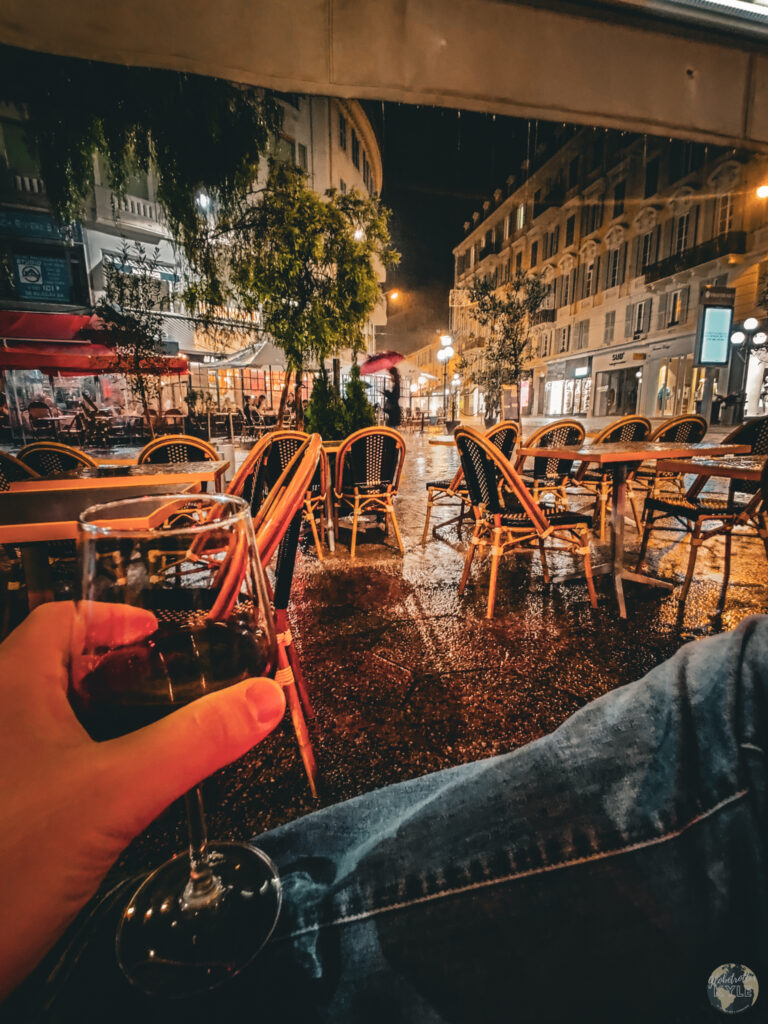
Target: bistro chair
x=177 y=448
x=551 y=476
x=599 y=481
x=49 y=457
x=709 y=515
x=509 y=517
x=278 y=523
x=440 y=492
x=263 y=466
x=12 y=470
x=687 y=429
x=368 y=467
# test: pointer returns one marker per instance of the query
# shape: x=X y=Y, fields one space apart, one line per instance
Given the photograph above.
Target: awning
x=86 y=359
x=24 y=326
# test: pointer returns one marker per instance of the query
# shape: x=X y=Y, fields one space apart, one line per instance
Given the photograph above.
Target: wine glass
x=191 y=564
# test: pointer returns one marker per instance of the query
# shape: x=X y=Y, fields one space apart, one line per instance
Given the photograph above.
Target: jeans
x=600 y=873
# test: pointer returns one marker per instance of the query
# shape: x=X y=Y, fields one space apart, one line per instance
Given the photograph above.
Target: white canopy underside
x=614 y=64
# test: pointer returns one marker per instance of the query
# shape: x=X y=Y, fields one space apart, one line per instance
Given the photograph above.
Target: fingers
x=155 y=765
x=100 y=624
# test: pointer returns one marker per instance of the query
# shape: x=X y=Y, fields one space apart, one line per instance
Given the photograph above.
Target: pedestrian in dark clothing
x=392 y=400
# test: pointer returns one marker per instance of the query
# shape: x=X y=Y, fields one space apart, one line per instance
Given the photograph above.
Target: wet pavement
x=407 y=677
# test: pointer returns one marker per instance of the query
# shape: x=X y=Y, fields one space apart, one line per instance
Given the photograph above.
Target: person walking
x=392 y=399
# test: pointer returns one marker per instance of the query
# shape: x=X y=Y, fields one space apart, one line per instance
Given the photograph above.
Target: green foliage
x=507 y=314
x=325 y=413
x=307 y=263
x=196 y=134
x=359 y=411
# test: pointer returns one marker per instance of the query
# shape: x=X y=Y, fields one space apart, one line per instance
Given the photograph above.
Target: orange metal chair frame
x=207 y=451
x=57 y=447
x=21 y=469
x=501 y=538
x=361 y=503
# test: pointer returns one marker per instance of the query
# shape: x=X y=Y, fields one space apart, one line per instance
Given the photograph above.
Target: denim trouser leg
x=600 y=873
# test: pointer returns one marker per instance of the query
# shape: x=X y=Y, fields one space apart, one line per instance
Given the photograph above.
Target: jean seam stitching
x=514 y=876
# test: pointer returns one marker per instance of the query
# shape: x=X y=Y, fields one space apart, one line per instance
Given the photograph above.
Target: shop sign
x=27 y=224
x=614 y=360
x=42 y=278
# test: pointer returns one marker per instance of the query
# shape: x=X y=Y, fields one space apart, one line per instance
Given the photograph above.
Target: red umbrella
x=380 y=362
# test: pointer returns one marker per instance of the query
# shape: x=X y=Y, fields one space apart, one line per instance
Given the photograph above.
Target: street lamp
x=751 y=336
x=444 y=355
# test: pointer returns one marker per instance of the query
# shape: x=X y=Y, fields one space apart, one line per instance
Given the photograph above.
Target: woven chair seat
x=442 y=484
x=594 y=476
x=694 y=509
x=531 y=479
x=372 y=487
x=515 y=515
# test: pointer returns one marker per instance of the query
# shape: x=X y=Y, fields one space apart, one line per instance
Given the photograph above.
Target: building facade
x=625 y=231
x=44 y=268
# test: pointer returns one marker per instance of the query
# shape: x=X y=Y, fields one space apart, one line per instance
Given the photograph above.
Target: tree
x=359 y=411
x=306 y=263
x=507 y=314
x=131 y=309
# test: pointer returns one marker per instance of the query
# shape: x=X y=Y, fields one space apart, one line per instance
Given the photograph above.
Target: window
x=518 y=262
x=342 y=185
x=570 y=229
x=520 y=217
x=285 y=150
x=563 y=338
x=610 y=326
x=652 y=177
x=613 y=273
x=302 y=156
x=573 y=173
x=642 y=317
x=724 y=217
x=566 y=289
x=619 y=193
x=582 y=335
x=342 y=132
x=677 y=307
x=589 y=280
x=680 y=237
x=534 y=253
x=646 y=251
x=546 y=341
x=355 y=149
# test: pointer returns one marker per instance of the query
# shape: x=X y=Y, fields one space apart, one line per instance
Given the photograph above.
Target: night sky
x=439 y=165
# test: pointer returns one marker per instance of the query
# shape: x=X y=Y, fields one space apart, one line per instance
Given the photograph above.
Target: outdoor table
x=443 y=439
x=36 y=512
x=742 y=467
x=620 y=457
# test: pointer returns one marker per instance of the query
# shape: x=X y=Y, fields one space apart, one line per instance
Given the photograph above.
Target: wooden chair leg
x=588 y=569
x=473 y=544
x=396 y=529
x=355 y=515
x=646 y=536
x=633 y=505
x=429 y=513
x=284 y=676
x=309 y=514
x=726 y=569
x=544 y=564
x=495 y=555
x=696 y=542
x=603 y=506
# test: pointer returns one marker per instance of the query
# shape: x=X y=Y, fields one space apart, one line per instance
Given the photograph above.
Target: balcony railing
x=544 y=316
x=141 y=213
x=722 y=245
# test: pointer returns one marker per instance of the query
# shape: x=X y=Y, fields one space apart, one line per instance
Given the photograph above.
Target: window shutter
x=573 y=285
x=623 y=263
x=578 y=290
x=647 y=315
x=635 y=264
x=709 y=226
x=693 y=226
x=661 y=322
x=656 y=248
x=558 y=291
x=585 y=334
x=606 y=266
x=628 y=318
x=596 y=276
x=684 y=305
x=669 y=232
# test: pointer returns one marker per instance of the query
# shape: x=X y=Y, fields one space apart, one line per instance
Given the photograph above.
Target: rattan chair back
x=12 y=470
x=370 y=459
x=484 y=466
x=755 y=434
x=554 y=435
x=688 y=429
x=624 y=430
x=174 y=449
x=504 y=436
x=49 y=457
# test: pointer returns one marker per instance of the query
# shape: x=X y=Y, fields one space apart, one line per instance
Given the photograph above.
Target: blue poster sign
x=30 y=224
x=42 y=278
x=714 y=335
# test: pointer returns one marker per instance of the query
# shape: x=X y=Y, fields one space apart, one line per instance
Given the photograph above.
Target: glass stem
x=203 y=887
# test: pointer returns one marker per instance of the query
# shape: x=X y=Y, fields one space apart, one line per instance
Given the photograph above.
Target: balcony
x=131 y=211
x=543 y=316
x=723 y=245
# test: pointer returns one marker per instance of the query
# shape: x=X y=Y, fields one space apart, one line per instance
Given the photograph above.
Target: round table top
x=443 y=439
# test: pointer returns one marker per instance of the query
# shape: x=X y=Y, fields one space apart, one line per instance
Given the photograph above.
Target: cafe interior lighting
x=762 y=191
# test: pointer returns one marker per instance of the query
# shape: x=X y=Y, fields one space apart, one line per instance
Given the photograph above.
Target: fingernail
x=268 y=700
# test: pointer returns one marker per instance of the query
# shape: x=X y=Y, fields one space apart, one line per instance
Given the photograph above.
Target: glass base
x=169 y=949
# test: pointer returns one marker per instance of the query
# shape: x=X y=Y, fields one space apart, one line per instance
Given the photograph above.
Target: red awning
x=86 y=359
x=58 y=343
x=23 y=326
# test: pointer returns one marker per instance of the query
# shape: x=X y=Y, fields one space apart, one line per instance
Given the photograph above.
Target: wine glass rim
x=239 y=510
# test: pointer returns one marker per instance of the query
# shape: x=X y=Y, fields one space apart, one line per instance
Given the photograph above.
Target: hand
x=68 y=805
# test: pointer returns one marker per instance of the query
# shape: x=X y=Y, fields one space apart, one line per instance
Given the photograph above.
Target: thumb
x=153 y=766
